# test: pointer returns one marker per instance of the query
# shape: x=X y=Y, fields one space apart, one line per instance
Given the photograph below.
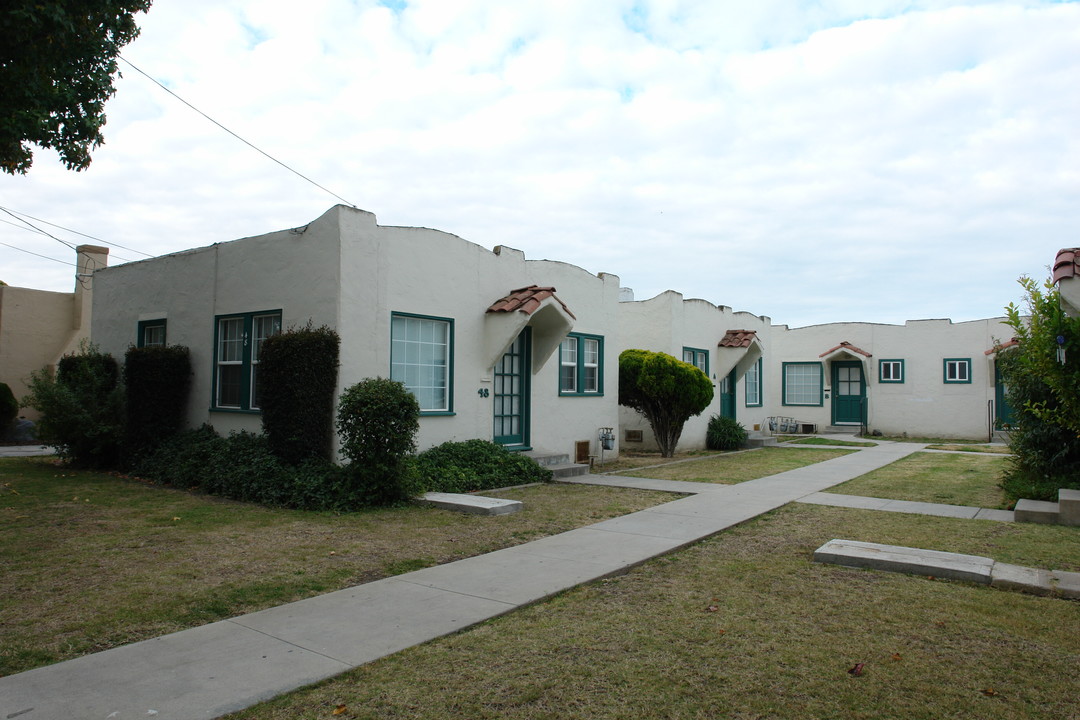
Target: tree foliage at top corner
x=666 y=391
x=57 y=66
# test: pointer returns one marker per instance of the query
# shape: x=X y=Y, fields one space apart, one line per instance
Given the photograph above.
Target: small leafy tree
x=82 y=408
x=298 y=371
x=378 y=420
x=1038 y=334
x=667 y=392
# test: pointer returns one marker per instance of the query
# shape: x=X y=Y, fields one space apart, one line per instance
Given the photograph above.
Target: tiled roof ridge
x=737 y=338
x=1066 y=264
x=846 y=346
x=527 y=300
x=1011 y=342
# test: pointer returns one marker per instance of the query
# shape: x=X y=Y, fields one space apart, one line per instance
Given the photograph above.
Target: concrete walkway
x=229 y=665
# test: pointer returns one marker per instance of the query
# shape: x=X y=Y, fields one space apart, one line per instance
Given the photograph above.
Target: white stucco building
x=524 y=352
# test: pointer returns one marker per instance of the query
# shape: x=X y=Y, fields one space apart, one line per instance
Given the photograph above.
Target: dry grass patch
x=970 y=480
x=744 y=625
x=93 y=561
x=632 y=460
x=993 y=449
x=731 y=468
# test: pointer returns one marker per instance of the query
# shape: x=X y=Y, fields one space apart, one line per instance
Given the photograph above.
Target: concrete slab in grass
x=1067 y=584
x=1069 y=506
x=1025 y=579
x=1036 y=511
x=200 y=673
x=915 y=561
x=992 y=514
x=935 y=509
x=472 y=504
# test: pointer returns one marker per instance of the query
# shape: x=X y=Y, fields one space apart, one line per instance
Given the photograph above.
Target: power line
x=13 y=247
x=263 y=152
x=42 y=232
x=76 y=232
x=35 y=227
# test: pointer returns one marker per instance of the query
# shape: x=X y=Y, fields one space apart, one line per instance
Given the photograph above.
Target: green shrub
x=157 y=381
x=9 y=410
x=298 y=373
x=475 y=465
x=724 y=433
x=1044 y=454
x=82 y=408
x=665 y=391
x=378 y=420
x=242 y=467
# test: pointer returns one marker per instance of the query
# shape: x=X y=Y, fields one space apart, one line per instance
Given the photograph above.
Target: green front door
x=1003 y=411
x=849 y=393
x=512 y=393
x=727 y=396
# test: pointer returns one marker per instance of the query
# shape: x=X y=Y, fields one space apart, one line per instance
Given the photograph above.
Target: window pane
x=229 y=385
x=419 y=357
x=153 y=335
x=802 y=384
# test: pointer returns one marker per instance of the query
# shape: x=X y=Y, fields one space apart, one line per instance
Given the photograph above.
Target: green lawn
x=739 y=467
x=935 y=477
x=745 y=625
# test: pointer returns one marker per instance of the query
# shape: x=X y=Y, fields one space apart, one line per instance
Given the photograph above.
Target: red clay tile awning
x=1067 y=264
x=738 y=338
x=845 y=346
x=527 y=300
x=1013 y=342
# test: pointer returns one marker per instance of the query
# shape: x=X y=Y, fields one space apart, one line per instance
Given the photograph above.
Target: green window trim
x=752 y=380
x=151 y=333
x=422 y=358
x=956 y=371
x=807 y=384
x=581 y=366
x=891 y=371
x=237 y=339
x=697 y=357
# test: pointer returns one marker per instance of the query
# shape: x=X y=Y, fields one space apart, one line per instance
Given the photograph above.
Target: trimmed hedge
x=298 y=372
x=475 y=465
x=157 y=381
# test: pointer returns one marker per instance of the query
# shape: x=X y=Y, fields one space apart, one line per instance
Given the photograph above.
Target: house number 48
x=483 y=392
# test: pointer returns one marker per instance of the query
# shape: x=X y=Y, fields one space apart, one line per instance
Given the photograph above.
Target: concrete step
x=565 y=470
x=1036 y=511
x=756 y=441
x=546 y=458
x=1069 y=507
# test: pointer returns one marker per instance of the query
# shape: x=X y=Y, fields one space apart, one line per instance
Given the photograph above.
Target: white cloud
x=813 y=162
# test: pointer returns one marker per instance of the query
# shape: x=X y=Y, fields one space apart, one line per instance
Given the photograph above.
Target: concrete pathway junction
x=226 y=666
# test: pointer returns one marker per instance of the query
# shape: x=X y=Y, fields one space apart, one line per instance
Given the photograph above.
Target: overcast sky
x=866 y=160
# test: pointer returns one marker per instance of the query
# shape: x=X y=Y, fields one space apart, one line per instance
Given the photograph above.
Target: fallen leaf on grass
x=940 y=623
x=340 y=709
x=712 y=608
x=990 y=692
x=722 y=631
x=856 y=669
x=896 y=656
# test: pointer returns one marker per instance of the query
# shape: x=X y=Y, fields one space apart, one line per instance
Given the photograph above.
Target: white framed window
x=421 y=357
x=802 y=383
x=238 y=342
x=151 y=333
x=581 y=365
x=890 y=371
x=957 y=370
x=752 y=382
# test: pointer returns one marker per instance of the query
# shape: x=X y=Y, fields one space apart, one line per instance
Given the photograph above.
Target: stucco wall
x=35 y=327
x=923 y=404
